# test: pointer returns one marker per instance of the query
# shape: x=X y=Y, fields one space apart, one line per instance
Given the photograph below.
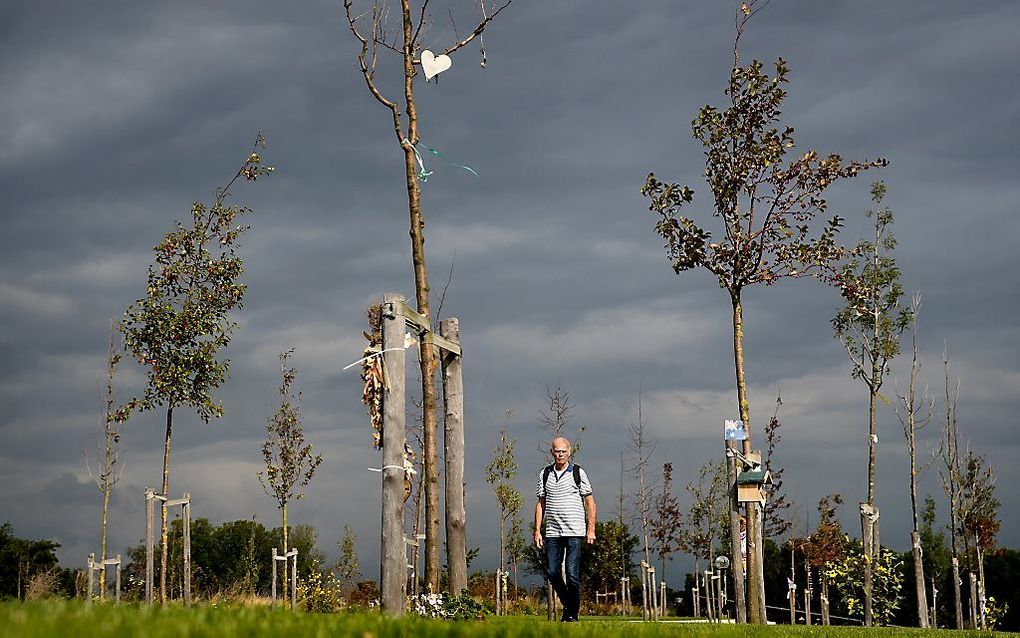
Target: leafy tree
x=347 y=566
x=178 y=329
x=499 y=473
x=825 y=546
x=290 y=463
x=775 y=516
x=870 y=326
x=516 y=547
x=766 y=203
x=847 y=574
x=21 y=559
x=979 y=517
x=108 y=454
x=667 y=522
x=373 y=34
x=601 y=561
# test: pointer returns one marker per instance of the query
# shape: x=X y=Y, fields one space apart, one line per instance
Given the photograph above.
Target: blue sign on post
x=734 y=431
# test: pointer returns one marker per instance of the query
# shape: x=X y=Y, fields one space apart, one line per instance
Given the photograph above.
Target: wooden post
x=274 y=577
x=736 y=551
x=392 y=557
x=186 y=524
x=496 y=589
x=654 y=591
x=89 y=567
x=662 y=599
x=807 y=597
x=972 y=602
x=293 y=580
x=118 y=580
x=755 y=575
x=453 y=451
x=149 y=495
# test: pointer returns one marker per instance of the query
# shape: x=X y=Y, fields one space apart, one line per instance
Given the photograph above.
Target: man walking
x=566 y=505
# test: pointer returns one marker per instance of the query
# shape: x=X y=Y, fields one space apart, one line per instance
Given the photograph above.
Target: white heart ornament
x=433 y=64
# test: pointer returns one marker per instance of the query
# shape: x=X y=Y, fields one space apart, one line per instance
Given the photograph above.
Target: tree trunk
x=824 y=598
x=869 y=547
x=426 y=356
x=736 y=553
x=922 y=599
x=981 y=584
x=956 y=592
x=102 y=540
x=755 y=576
x=164 y=523
x=286 y=563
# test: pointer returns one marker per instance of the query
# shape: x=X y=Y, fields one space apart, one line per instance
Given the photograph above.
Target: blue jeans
x=569 y=592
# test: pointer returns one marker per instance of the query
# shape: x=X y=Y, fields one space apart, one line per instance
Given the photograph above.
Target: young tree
x=641 y=449
x=177 y=330
x=499 y=473
x=708 y=515
x=914 y=413
x=371 y=31
x=108 y=454
x=290 y=463
x=348 y=569
x=979 y=518
x=869 y=327
x=667 y=520
x=825 y=546
x=847 y=574
x=775 y=516
x=766 y=204
x=948 y=458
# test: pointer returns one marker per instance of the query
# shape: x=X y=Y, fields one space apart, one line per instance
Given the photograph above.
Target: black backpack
x=549 y=468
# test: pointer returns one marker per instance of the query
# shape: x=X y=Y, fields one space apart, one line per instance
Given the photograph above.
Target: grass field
x=72 y=619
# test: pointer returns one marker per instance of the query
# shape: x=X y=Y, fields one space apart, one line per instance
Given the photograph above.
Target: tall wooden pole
x=149 y=566
x=393 y=561
x=273 y=588
x=456 y=515
x=186 y=513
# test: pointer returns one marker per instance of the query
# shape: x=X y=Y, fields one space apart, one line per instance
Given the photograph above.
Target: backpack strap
x=549 y=468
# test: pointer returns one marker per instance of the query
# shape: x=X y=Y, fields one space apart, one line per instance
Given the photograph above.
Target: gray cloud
x=115 y=119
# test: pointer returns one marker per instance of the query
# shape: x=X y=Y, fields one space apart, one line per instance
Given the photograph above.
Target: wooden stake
x=274 y=577
x=392 y=559
x=453 y=451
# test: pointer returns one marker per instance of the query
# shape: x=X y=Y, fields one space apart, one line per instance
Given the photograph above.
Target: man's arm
x=589 y=511
x=539 y=510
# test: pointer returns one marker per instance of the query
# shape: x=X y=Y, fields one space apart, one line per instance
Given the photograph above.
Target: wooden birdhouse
x=752 y=486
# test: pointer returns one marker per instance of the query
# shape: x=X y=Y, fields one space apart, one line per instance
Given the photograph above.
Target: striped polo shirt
x=564 y=509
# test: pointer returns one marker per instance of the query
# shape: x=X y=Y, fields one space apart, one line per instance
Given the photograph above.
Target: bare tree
x=290 y=463
x=667 y=520
x=948 y=457
x=641 y=448
x=979 y=521
x=914 y=412
x=108 y=453
x=372 y=32
x=555 y=418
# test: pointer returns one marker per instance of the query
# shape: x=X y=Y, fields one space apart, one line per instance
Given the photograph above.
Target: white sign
x=734 y=431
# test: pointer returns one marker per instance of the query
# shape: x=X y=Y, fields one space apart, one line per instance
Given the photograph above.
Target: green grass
x=50 y=619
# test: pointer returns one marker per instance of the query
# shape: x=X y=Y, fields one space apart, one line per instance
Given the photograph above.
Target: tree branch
x=477 y=30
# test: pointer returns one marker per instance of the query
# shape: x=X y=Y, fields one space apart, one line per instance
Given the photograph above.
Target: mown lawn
x=51 y=619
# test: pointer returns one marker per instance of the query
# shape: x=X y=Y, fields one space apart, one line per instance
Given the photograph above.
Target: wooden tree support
x=289 y=559
x=397 y=317
x=98 y=566
x=185 y=503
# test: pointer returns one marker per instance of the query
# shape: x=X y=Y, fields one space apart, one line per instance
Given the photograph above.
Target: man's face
x=560 y=452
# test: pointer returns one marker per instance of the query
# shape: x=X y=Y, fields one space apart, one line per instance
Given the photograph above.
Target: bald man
x=564 y=518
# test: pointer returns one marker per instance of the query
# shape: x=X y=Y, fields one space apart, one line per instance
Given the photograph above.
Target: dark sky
x=115 y=118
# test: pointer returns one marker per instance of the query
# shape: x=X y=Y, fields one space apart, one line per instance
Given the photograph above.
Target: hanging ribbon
x=423 y=174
